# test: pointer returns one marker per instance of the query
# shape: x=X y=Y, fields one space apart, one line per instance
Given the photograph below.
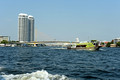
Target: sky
x=63 y=19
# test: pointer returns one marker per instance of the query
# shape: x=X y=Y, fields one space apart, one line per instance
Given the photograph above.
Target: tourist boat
x=84 y=46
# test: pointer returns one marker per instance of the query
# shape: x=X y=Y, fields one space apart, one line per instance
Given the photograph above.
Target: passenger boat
x=84 y=46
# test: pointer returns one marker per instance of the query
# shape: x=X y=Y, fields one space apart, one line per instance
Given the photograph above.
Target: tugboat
x=84 y=46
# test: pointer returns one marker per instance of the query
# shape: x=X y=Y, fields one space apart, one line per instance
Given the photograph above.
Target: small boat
x=84 y=46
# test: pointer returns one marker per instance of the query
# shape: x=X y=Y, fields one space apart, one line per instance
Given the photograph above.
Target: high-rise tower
x=31 y=28
x=26 y=28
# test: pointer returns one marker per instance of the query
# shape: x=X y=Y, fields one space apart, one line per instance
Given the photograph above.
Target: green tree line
x=8 y=42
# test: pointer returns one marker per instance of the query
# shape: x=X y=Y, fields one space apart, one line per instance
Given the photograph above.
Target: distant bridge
x=43 y=42
x=48 y=43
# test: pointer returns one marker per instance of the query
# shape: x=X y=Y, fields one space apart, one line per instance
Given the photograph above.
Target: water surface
x=53 y=63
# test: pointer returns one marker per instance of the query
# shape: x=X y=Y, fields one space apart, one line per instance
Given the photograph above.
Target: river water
x=56 y=63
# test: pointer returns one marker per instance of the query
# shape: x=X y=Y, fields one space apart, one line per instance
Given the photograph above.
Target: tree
x=13 y=42
x=102 y=43
x=108 y=44
x=93 y=41
x=4 y=42
x=118 y=44
x=112 y=41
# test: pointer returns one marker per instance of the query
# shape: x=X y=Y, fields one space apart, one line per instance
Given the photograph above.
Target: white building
x=7 y=38
x=116 y=40
x=26 y=27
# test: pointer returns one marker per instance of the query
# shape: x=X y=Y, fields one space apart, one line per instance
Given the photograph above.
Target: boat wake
x=38 y=75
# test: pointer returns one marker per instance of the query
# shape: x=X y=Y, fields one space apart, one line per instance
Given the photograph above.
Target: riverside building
x=7 y=38
x=26 y=27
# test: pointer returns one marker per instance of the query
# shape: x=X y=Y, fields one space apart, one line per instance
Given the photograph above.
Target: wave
x=1 y=68
x=38 y=75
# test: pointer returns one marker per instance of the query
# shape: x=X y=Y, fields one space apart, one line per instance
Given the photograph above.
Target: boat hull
x=84 y=48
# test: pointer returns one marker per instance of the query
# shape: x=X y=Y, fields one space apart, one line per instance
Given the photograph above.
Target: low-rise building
x=7 y=38
x=112 y=45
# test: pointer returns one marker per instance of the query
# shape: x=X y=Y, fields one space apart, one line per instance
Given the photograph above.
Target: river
x=56 y=63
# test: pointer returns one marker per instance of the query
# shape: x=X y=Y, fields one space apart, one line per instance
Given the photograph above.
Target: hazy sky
x=63 y=19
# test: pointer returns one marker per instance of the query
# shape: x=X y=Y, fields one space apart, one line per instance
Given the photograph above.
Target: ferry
x=84 y=46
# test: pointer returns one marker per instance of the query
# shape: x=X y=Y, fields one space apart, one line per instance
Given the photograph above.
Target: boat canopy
x=88 y=44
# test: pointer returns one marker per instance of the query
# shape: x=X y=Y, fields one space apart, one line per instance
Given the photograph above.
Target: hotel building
x=26 y=27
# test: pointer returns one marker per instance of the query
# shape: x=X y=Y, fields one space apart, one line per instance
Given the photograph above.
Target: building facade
x=26 y=27
x=116 y=40
x=7 y=38
x=31 y=28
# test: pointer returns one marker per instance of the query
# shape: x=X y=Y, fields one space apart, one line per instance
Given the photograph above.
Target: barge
x=84 y=46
